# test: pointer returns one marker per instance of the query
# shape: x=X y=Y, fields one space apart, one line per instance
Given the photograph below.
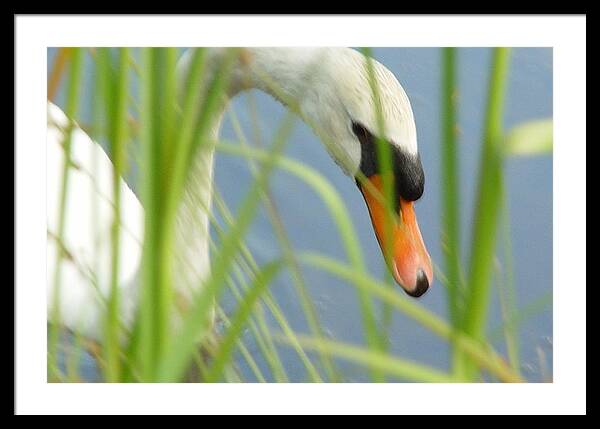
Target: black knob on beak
x=422 y=285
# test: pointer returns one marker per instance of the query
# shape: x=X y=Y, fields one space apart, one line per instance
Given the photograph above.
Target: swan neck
x=276 y=71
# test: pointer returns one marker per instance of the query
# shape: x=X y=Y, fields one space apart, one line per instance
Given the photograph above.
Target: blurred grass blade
x=506 y=290
x=250 y=361
x=450 y=181
x=488 y=202
x=115 y=97
x=225 y=350
x=188 y=137
x=142 y=346
x=530 y=138
x=386 y=172
x=75 y=71
x=383 y=362
x=257 y=324
x=384 y=156
x=74 y=359
x=451 y=196
x=523 y=313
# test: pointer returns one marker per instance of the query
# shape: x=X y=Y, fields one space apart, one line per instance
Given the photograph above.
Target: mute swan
x=332 y=88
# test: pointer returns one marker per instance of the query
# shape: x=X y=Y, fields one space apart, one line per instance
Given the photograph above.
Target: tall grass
x=174 y=122
x=451 y=194
x=488 y=204
x=116 y=114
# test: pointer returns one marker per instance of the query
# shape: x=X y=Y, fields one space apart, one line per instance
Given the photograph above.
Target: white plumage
x=89 y=211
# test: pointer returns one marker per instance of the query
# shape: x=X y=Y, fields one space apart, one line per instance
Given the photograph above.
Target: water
x=307 y=222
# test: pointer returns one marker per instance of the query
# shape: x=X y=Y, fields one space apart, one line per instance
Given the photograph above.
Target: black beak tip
x=422 y=285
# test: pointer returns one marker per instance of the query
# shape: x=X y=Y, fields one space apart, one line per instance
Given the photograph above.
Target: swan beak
x=409 y=261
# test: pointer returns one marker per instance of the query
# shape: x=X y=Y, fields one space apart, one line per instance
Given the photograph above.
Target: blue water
x=307 y=222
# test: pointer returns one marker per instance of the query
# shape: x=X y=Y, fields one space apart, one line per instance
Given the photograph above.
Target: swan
x=334 y=96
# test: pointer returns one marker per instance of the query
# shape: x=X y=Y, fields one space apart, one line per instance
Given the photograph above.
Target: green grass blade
x=151 y=152
x=169 y=125
x=506 y=291
x=257 y=324
x=225 y=350
x=192 y=105
x=115 y=98
x=165 y=87
x=163 y=179
x=384 y=155
x=386 y=172
x=383 y=362
x=451 y=195
x=450 y=181
x=530 y=138
x=73 y=89
x=521 y=315
x=487 y=209
x=245 y=353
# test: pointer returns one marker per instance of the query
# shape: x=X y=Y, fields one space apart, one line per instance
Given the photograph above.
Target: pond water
x=529 y=184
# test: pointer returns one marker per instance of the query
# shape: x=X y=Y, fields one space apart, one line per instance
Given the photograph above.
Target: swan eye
x=408 y=171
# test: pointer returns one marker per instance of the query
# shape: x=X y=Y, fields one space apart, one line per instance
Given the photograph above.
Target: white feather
x=85 y=271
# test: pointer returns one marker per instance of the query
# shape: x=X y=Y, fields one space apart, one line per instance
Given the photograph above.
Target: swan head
x=331 y=90
x=340 y=105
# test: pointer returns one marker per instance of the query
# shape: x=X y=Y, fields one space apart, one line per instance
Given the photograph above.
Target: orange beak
x=406 y=257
